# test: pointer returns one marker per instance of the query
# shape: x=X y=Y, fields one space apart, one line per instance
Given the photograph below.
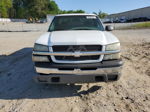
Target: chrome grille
x=77 y=48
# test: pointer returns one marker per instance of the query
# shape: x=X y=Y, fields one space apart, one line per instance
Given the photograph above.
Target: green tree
x=36 y=8
x=31 y=8
x=19 y=8
x=102 y=14
x=53 y=8
x=40 y=8
x=71 y=11
x=5 y=6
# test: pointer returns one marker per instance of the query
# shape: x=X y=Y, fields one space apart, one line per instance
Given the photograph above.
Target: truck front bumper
x=78 y=73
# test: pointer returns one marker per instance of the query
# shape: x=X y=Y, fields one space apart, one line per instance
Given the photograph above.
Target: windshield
x=76 y=23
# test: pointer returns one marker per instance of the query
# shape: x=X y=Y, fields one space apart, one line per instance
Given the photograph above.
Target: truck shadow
x=16 y=80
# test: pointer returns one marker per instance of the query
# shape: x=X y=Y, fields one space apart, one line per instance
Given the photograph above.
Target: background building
x=137 y=13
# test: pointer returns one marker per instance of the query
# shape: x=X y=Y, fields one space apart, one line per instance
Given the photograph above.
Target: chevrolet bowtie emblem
x=77 y=54
x=76 y=50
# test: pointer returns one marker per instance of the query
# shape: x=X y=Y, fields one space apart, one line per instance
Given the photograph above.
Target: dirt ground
x=18 y=92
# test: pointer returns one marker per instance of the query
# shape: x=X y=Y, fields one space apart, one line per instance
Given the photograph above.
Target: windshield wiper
x=73 y=29
x=83 y=29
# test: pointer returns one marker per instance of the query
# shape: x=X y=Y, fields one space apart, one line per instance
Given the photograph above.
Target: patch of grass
x=144 y=25
x=141 y=25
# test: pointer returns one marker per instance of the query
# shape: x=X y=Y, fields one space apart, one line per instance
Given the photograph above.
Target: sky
x=108 y=6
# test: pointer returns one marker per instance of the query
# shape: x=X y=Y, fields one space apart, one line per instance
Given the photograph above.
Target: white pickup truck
x=77 y=49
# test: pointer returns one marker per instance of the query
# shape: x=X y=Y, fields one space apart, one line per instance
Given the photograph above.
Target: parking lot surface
x=19 y=93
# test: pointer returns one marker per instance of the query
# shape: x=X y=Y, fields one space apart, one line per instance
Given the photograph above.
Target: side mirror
x=109 y=28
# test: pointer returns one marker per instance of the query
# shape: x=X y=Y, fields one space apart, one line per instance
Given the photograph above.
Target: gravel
x=19 y=93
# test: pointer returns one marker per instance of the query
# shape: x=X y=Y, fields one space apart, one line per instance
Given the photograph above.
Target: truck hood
x=77 y=38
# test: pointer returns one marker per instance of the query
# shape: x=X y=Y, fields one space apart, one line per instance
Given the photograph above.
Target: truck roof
x=76 y=14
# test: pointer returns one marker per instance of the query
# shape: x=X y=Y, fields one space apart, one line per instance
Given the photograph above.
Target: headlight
x=38 y=47
x=113 y=47
x=112 y=56
x=40 y=58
